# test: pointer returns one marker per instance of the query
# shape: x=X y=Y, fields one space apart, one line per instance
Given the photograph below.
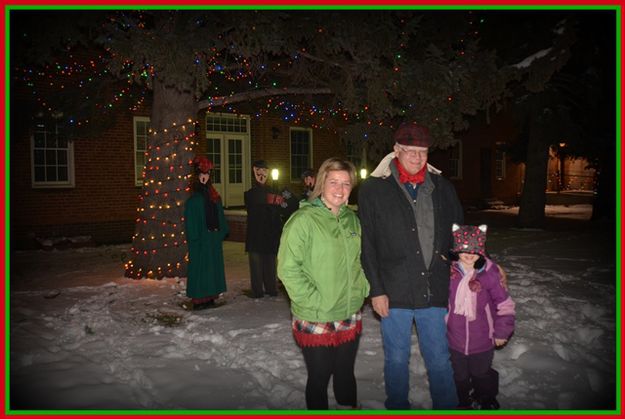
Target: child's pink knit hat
x=469 y=239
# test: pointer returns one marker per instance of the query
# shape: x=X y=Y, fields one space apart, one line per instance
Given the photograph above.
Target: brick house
x=88 y=189
x=484 y=175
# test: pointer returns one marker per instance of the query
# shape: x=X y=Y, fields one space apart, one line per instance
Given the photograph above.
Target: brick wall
x=104 y=195
x=483 y=138
x=277 y=152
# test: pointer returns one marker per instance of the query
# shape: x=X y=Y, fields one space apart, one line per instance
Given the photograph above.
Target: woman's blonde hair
x=330 y=165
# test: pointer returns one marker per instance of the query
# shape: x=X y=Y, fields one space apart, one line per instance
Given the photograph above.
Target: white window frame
x=135 y=119
x=502 y=166
x=297 y=178
x=242 y=127
x=458 y=175
x=70 y=182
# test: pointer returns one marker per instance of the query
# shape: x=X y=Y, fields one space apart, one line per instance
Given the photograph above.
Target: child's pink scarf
x=466 y=300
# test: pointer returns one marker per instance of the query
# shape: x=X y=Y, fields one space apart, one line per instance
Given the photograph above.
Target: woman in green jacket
x=205 y=229
x=319 y=265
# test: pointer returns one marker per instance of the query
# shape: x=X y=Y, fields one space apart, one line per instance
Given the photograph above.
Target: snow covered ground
x=84 y=337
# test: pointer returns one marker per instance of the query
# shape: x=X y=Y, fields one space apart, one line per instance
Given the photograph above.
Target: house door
x=230 y=153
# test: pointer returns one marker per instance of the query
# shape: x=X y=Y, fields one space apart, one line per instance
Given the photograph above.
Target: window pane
x=40 y=140
x=214 y=154
x=50 y=157
x=51 y=141
x=62 y=141
x=61 y=157
x=235 y=160
x=300 y=152
x=142 y=143
x=62 y=173
x=39 y=157
x=140 y=160
x=40 y=174
x=51 y=173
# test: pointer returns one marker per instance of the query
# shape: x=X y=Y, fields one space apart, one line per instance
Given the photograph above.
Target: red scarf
x=405 y=177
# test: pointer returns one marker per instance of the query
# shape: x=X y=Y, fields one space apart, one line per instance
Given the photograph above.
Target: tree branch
x=257 y=94
x=317 y=59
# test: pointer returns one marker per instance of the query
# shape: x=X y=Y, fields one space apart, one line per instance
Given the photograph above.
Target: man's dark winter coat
x=392 y=257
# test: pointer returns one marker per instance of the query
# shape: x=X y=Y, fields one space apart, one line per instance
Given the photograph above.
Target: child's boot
x=489 y=404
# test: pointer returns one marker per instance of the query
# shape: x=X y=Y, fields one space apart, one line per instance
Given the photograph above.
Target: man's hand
x=380 y=305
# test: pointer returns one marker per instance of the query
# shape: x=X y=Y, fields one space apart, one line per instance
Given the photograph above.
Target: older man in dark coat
x=406 y=222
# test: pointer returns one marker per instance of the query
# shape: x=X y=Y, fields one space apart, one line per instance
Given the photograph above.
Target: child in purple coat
x=481 y=317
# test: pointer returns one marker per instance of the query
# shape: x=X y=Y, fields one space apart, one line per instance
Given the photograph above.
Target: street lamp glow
x=275 y=174
x=363 y=173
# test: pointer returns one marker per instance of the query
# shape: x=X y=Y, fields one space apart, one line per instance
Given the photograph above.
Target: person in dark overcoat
x=406 y=216
x=264 y=227
x=205 y=228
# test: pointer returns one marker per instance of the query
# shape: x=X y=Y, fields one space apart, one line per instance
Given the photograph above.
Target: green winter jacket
x=319 y=263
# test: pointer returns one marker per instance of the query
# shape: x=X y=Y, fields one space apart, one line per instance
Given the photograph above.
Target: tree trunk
x=533 y=198
x=604 y=205
x=159 y=247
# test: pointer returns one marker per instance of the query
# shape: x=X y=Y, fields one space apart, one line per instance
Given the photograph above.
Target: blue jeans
x=432 y=334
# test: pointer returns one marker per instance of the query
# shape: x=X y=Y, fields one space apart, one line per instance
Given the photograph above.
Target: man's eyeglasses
x=413 y=151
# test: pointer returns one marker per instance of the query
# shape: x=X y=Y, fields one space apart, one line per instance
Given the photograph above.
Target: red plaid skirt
x=327 y=334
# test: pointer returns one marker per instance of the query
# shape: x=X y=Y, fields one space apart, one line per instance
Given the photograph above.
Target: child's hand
x=500 y=342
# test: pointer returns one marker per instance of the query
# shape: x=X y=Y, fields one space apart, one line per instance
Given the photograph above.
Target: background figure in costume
x=308 y=179
x=264 y=226
x=406 y=217
x=205 y=229
x=481 y=317
x=319 y=265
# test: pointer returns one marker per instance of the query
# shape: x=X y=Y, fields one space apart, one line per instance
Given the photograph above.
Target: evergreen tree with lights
x=369 y=70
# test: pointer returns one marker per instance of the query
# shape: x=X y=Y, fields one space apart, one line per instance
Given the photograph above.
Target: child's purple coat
x=494 y=317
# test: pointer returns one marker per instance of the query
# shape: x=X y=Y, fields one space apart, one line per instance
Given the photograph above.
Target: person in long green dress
x=205 y=228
